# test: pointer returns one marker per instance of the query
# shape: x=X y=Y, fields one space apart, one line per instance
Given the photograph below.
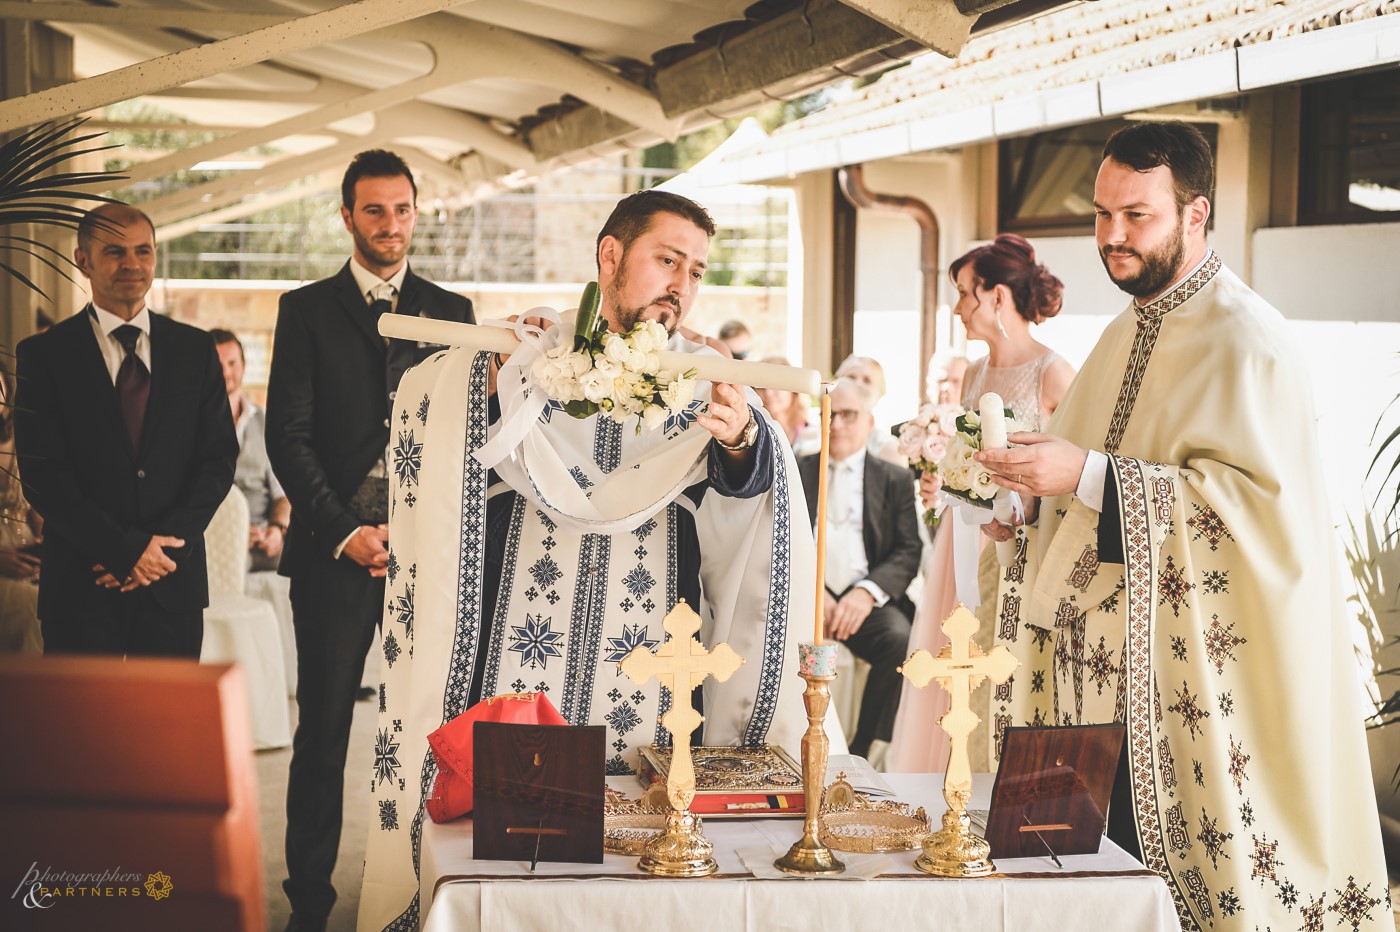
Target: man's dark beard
x=627 y=317
x=1159 y=267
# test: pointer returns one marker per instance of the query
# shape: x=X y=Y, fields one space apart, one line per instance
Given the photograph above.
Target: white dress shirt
x=846 y=563
x=113 y=352
x=374 y=289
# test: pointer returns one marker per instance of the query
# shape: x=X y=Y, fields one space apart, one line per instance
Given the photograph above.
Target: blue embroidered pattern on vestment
x=770 y=677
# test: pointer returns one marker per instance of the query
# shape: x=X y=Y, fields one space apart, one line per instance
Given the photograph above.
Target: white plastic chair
x=243 y=630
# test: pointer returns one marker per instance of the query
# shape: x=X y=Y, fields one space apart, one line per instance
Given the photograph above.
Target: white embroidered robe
x=1223 y=642
x=757 y=578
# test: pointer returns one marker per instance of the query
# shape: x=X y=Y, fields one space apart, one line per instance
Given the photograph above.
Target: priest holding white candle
x=1181 y=579
x=538 y=564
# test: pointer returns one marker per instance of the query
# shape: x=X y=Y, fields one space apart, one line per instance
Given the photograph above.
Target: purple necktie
x=133 y=384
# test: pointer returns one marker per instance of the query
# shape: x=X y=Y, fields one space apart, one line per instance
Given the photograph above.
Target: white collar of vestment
x=108 y=321
x=1183 y=288
x=368 y=282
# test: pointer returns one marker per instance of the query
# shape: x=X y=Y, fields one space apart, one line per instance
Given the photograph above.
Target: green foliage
x=32 y=191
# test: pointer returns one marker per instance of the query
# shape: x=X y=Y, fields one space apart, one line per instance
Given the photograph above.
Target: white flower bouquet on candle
x=619 y=374
x=963 y=477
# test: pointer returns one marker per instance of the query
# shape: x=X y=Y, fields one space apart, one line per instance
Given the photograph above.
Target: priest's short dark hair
x=1179 y=146
x=632 y=215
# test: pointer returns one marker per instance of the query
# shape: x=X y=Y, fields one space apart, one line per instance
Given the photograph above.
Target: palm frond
x=31 y=192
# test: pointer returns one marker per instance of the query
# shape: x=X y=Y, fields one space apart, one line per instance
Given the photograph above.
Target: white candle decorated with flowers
x=993 y=414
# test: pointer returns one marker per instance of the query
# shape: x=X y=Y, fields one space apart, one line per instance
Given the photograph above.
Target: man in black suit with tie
x=126 y=447
x=872 y=554
x=330 y=397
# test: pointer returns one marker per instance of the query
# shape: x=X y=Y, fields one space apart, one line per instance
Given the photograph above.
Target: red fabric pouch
x=452 y=747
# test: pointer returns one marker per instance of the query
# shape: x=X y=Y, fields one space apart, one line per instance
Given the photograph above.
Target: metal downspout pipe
x=852 y=180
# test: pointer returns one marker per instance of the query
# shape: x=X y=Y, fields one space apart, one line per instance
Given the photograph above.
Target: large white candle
x=993 y=415
x=502 y=340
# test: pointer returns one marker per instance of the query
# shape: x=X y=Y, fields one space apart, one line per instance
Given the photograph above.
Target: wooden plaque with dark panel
x=539 y=793
x=1052 y=790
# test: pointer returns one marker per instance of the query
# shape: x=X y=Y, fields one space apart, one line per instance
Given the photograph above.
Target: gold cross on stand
x=954 y=850
x=680 y=665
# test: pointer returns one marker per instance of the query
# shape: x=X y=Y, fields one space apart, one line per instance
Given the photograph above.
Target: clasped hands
x=369 y=547
x=1036 y=466
x=152 y=565
x=844 y=616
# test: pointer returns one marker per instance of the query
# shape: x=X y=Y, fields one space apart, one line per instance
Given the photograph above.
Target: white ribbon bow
x=967 y=541
x=521 y=403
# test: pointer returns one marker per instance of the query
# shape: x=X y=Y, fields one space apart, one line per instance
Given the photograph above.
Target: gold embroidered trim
x=1149 y=325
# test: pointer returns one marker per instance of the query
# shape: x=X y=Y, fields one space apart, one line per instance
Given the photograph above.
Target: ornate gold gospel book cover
x=734 y=781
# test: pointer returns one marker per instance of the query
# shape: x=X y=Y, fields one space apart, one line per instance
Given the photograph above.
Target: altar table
x=1097 y=892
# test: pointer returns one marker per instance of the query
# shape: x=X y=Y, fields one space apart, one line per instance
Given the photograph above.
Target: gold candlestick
x=809 y=855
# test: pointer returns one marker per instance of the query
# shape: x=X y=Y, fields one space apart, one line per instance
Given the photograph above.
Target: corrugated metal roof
x=1078 y=64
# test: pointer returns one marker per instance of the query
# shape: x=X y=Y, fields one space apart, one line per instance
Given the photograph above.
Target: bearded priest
x=532 y=550
x=1181 y=578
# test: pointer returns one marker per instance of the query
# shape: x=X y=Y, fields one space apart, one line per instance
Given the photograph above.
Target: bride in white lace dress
x=1002 y=291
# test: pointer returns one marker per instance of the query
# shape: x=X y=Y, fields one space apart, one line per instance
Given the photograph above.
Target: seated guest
x=19 y=540
x=268 y=508
x=735 y=336
x=867 y=371
x=872 y=554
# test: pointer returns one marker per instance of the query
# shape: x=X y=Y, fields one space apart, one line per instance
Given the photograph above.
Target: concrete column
x=33 y=57
x=814 y=200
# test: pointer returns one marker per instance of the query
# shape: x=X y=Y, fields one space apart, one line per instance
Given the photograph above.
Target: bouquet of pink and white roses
x=924 y=439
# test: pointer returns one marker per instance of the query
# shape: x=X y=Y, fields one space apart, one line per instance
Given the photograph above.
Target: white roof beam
x=939 y=25
x=505 y=53
x=431 y=120
x=205 y=61
x=325 y=181
x=222 y=191
x=162 y=18
x=396 y=112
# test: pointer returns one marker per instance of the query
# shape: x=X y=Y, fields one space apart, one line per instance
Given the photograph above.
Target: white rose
x=982 y=484
x=616 y=348
x=596 y=385
x=651 y=337
x=651 y=363
x=678 y=393
x=653 y=417
x=610 y=368
x=576 y=364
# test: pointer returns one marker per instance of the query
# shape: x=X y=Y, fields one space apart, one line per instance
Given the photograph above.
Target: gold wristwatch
x=746 y=440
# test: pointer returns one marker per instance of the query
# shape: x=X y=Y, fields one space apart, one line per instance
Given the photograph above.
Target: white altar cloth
x=1108 y=890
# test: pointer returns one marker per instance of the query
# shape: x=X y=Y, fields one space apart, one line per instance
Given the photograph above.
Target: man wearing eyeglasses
x=872 y=554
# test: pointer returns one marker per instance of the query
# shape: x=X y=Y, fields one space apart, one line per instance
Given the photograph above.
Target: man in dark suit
x=126 y=447
x=872 y=554
x=330 y=397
